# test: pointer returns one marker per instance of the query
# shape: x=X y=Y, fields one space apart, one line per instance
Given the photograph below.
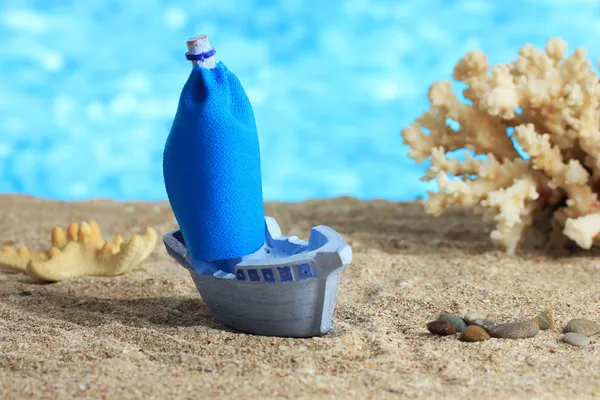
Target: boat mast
x=200 y=53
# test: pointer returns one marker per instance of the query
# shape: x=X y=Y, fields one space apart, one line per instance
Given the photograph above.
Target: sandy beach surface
x=147 y=334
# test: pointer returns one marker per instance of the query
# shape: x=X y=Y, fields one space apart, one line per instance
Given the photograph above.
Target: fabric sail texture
x=211 y=167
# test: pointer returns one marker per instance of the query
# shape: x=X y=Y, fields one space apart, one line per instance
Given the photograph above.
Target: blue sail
x=211 y=167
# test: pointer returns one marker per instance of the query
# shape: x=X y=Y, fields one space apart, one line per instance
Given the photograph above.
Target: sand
x=147 y=334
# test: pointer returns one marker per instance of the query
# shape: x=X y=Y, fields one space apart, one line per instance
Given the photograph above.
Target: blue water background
x=88 y=88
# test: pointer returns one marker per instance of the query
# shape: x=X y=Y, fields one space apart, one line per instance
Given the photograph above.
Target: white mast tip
x=198 y=45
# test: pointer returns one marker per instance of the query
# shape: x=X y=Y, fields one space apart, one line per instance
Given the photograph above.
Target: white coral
x=553 y=105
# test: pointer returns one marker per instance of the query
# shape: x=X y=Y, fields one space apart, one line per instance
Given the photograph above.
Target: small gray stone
x=583 y=326
x=515 y=330
x=485 y=323
x=473 y=316
x=576 y=339
x=455 y=320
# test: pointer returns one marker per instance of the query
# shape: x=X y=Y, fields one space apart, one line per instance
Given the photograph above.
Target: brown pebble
x=515 y=330
x=474 y=333
x=442 y=328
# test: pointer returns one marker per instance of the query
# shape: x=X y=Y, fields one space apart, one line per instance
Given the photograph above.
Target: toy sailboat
x=251 y=277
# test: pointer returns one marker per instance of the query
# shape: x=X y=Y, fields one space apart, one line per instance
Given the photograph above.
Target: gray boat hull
x=292 y=310
x=249 y=302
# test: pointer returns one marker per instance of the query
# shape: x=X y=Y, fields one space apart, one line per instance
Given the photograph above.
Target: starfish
x=81 y=251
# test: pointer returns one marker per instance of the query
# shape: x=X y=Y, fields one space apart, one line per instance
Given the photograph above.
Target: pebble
x=576 y=339
x=474 y=334
x=583 y=326
x=442 y=328
x=473 y=316
x=455 y=320
x=544 y=320
x=485 y=323
x=515 y=330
